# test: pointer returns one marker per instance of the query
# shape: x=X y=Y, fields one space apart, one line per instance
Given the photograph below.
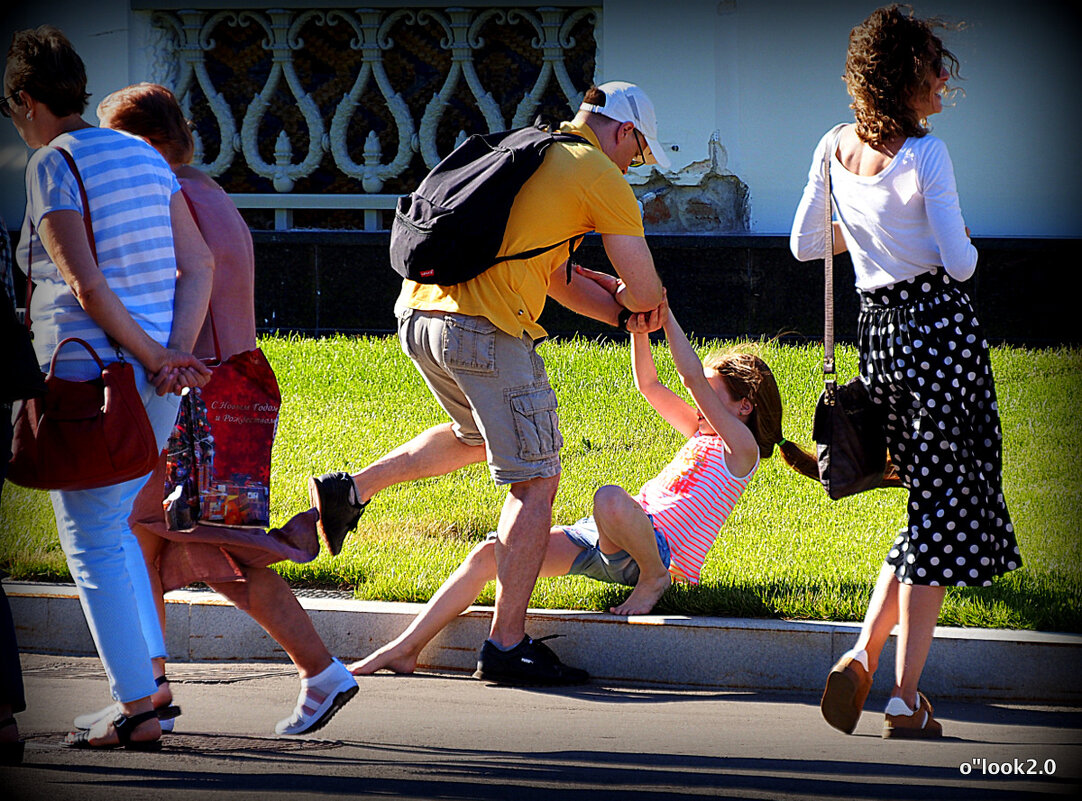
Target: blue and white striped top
x=129 y=187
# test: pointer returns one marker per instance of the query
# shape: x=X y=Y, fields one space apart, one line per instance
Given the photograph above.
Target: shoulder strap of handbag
x=89 y=236
x=210 y=308
x=828 y=274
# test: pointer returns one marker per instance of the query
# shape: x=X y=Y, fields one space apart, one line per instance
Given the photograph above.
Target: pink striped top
x=691 y=499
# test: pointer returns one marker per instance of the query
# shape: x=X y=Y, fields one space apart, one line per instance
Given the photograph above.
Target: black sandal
x=86 y=722
x=165 y=711
x=124 y=727
x=11 y=753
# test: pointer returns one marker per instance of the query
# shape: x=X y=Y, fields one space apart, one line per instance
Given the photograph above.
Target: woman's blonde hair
x=890 y=58
x=151 y=111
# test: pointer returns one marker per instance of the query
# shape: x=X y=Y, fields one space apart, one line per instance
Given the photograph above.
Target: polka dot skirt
x=925 y=360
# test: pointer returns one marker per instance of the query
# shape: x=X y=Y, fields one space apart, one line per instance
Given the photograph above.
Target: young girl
x=664 y=533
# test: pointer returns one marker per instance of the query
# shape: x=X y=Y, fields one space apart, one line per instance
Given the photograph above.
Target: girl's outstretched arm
x=677 y=412
x=738 y=437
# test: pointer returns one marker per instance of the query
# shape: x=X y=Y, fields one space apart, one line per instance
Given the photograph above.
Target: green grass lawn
x=787 y=551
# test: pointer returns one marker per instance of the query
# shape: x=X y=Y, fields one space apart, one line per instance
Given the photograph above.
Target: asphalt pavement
x=448 y=736
x=679 y=707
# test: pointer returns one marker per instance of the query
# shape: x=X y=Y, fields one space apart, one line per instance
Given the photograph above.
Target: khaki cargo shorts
x=493 y=386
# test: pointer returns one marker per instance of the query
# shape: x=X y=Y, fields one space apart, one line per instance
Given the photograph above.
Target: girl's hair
x=42 y=63
x=151 y=111
x=891 y=56
x=748 y=376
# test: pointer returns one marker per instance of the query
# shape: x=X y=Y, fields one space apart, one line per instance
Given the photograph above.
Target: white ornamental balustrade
x=190 y=32
x=183 y=39
x=372 y=39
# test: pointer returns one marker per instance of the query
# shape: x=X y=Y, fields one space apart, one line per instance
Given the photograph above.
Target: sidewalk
x=430 y=737
x=690 y=652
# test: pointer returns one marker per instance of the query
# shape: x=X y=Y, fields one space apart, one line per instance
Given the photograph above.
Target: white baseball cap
x=625 y=102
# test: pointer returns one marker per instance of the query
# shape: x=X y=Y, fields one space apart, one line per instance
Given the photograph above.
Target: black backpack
x=450 y=229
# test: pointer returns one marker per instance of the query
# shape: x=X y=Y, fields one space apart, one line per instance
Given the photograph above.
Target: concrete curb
x=694 y=652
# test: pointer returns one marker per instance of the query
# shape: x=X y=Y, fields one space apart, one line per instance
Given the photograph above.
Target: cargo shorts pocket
x=469 y=344
x=537 y=426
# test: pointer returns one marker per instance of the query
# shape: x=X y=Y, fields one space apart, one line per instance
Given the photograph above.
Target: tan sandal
x=846 y=691
x=920 y=725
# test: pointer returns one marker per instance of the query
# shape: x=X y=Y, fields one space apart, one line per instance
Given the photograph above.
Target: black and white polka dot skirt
x=925 y=360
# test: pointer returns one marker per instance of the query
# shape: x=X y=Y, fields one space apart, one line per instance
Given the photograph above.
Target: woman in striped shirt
x=143 y=296
x=662 y=534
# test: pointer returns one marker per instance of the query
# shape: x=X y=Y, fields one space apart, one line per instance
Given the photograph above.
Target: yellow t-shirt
x=576 y=190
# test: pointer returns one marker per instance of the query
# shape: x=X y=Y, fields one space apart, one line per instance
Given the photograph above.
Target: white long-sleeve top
x=897 y=224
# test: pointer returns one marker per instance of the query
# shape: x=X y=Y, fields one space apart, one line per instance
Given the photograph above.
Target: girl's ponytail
x=799 y=459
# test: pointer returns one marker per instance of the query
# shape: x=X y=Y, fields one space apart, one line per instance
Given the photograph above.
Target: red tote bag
x=218 y=460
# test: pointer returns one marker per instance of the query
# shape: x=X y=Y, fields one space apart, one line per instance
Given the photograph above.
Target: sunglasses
x=5 y=106
x=639 y=160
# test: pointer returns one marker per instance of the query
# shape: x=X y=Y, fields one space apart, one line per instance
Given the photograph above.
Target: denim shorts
x=617 y=568
x=493 y=386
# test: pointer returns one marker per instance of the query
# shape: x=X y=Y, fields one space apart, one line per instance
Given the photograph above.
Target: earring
x=29 y=116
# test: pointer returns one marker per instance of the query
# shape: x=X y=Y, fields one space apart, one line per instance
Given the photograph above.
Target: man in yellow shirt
x=475 y=344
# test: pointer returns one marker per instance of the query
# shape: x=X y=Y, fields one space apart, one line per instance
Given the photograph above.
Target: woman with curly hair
x=922 y=354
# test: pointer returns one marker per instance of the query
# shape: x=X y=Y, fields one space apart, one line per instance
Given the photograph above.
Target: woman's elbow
x=803 y=249
x=961 y=263
x=89 y=294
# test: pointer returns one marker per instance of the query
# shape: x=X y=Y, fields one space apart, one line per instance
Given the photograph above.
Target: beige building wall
x=765 y=76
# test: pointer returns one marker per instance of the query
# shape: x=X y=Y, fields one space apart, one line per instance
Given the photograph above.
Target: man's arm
x=195 y=276
x=631 y=257
x=584 y=296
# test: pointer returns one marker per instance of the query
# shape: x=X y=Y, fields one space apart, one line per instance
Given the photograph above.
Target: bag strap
x=567 y=138
x=529 y=254
x=90 y=240
x=828 y=274
x=76 y=341
x=210 y=308
x=86 y=202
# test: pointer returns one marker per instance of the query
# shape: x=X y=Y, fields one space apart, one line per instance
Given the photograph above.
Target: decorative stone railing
x=322 y=117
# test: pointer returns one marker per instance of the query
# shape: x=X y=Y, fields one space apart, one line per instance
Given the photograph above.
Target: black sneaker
x=530 y=663
x=331 y=495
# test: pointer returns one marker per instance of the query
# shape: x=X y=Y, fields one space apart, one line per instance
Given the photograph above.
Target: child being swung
x=664 y=533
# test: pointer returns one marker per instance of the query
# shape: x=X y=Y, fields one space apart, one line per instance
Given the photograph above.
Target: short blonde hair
x=151 y=111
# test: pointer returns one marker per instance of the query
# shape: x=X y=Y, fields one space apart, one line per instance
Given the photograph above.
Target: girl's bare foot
x=389 y=657
x=647 y=592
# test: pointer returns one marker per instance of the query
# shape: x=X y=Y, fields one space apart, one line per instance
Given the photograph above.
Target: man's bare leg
x=525 y=524
x=623 y=525
x=453 y=598
x=434 y=452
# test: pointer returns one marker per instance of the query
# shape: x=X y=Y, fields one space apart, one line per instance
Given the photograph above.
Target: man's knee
x=536 y=490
